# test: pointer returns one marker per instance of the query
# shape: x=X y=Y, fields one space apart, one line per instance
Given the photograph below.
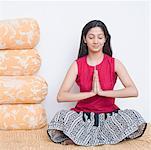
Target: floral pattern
x=22 y=89
x=21 y=92
x=19 y=33
x=22 y=116
x=19 y=62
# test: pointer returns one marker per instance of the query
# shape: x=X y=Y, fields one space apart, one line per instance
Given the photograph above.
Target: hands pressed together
x=96 y=87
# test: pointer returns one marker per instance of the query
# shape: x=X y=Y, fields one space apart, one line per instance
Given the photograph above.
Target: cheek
x=102 y=42
x=89 y=43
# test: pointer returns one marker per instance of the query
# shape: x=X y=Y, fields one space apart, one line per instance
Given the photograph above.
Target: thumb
x=96 y=73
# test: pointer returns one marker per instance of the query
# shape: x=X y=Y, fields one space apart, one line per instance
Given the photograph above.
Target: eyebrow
x=94 y=34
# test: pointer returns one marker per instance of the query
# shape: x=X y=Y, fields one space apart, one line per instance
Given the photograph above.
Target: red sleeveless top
x=107 y=78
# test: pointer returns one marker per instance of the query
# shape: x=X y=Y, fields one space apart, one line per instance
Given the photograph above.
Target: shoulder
x=118 y=65
x=108 y=57
x=73 y=69
x=78 y=63
x=81 y=59
x=117 y=61
x=74 y=65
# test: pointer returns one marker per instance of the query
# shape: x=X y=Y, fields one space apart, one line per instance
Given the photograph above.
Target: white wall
x=61 y=24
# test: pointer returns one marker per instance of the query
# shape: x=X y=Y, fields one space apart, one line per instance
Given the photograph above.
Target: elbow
x=59 y=98
x=135 y=92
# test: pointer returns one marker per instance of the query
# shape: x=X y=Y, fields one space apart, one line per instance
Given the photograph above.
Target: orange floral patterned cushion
x=22 y=116
x=19 y=62
x=22 y=89
x=19 y=33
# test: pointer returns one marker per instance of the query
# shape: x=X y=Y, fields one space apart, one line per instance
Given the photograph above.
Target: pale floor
x=38 y=140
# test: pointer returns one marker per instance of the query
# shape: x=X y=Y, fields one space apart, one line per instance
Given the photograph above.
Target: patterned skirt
x=90 y=129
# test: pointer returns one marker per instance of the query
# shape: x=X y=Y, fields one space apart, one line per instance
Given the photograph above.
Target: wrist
x=101 y=93
x=92 y=93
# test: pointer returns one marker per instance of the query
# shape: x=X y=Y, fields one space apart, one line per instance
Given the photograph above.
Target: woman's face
x=95 y=39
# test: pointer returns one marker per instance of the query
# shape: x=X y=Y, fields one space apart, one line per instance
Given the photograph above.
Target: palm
x=96 y=83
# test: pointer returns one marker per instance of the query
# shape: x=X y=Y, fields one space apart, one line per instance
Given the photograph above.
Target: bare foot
x=68 y=142
x=58 y=132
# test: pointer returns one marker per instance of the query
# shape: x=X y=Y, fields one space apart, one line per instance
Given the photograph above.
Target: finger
x=93 y=82
x=94 y=71
x=96 y=74
x=95 y=86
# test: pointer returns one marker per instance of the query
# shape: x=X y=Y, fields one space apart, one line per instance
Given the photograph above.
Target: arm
x=130 y=89
x=64 y=94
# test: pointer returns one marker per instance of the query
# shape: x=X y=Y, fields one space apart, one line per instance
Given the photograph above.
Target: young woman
x=96 y=120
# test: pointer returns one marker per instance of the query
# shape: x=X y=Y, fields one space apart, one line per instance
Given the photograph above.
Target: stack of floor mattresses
x=22 y=91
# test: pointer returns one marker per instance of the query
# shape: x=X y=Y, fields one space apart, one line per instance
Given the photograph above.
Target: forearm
x=121 y=93
x=73 y=97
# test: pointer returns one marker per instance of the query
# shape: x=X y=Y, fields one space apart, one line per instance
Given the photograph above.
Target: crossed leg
x=66 y=140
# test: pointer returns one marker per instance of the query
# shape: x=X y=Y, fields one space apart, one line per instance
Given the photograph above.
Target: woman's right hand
x=94 y=82
x=64 y=94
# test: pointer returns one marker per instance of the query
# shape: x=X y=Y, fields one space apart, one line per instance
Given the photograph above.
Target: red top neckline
x=97 y=64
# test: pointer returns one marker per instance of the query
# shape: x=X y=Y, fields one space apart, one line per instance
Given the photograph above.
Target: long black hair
x=83 y=50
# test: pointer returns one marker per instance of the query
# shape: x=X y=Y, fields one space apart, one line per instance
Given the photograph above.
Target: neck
x=95 y=56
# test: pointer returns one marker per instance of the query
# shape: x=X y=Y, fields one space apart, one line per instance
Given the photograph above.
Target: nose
x=95 y=40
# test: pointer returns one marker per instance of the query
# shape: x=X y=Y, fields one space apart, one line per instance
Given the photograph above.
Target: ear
x=84 y=39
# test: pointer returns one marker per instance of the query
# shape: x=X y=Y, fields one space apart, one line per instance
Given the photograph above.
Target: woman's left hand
x=98 y=86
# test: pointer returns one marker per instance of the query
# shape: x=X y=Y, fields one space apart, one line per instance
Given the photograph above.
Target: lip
x=96 y=48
